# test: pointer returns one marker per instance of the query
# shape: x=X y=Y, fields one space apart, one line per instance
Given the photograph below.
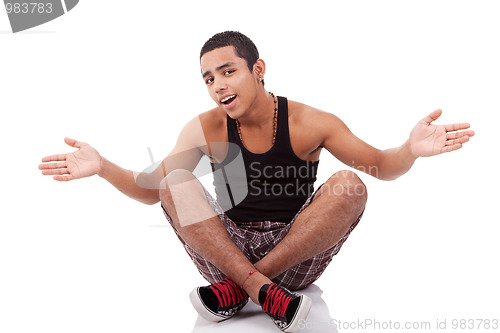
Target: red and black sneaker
x=286 y=308
x=219 y=301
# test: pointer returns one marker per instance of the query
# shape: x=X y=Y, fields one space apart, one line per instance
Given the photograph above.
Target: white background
x=124 y=76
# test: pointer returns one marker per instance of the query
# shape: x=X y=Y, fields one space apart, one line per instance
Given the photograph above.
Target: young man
x=266 y=233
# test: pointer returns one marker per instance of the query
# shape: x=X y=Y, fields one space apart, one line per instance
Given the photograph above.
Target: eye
x=228 y=72
x=209 y=80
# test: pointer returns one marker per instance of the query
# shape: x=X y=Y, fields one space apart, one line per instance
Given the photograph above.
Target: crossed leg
x=335 y=207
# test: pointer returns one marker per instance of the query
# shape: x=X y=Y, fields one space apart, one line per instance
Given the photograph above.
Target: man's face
x=229 y=81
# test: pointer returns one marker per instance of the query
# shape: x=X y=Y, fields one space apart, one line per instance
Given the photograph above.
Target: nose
x=220 y=85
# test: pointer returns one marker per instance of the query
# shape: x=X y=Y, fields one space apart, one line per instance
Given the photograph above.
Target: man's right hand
x=84 y=162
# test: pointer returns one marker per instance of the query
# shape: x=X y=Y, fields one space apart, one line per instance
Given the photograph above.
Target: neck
x=260 y=112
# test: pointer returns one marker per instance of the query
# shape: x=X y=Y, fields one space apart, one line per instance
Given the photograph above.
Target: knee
x=347 y=186
x=173 y=178
x=179 y=176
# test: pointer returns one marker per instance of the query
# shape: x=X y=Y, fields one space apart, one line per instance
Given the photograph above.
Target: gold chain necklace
x=275 y=120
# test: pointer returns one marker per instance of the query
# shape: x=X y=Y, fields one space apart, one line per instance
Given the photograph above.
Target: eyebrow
x=227 y=64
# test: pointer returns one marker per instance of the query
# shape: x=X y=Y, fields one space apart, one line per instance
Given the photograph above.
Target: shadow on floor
x=252 y=319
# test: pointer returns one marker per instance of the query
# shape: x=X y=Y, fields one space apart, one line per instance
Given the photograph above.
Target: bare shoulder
x=214 y=124
x=309 y=118
x=309 y=129
x=193 y=132
x=212 y=119
x=300 y=111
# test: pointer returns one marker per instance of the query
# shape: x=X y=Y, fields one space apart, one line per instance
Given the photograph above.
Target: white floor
x=252 y=319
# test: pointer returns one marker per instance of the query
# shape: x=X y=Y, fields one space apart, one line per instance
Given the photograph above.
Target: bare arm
x=141 y=186
x=124 y=181
x=393 y=163
x=425 y=139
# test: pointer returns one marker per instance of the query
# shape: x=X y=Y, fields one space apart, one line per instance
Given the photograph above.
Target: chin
x=233 y=114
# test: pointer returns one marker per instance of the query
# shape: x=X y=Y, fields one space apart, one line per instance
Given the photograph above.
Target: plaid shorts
x=256 y=239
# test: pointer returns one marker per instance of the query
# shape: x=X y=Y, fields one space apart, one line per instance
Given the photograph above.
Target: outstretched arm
x=143 y=186
x=86 y=162
x=426 y=139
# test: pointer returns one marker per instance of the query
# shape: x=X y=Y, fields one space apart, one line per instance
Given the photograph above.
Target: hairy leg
x=184 y=198
x=337 y=205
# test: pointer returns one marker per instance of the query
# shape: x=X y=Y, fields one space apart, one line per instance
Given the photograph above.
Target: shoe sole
x=300 y=315
x=202 y=310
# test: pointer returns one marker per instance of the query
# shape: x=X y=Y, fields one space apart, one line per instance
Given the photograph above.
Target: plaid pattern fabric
x=256 y=239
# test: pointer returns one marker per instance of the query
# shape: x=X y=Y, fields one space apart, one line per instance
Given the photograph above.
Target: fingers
x=57 y=157
x=456 y=140
x=54 y=169
x=57 y=169
x=432 y=116
x=453 y=147
x=64 y=178
x=58 y=174
x=52 y=166
x=61 y=171
x=456 y=127
x=461 y=140
x=456 y=135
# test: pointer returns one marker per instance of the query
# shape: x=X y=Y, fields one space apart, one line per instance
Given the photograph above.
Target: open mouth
x=227 y=100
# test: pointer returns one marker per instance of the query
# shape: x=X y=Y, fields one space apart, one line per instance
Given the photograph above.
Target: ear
x=259 y=68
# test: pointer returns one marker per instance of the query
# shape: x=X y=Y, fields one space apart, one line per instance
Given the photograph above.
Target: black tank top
x=271 y=186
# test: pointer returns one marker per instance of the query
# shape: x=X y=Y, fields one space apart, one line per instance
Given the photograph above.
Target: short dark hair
x=243 y=45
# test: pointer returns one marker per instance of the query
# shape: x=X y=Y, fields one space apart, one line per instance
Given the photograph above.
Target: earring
x=261 y=79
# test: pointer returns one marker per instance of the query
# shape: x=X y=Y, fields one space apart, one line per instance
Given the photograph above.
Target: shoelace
x=228 y=293
x=277 y=301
